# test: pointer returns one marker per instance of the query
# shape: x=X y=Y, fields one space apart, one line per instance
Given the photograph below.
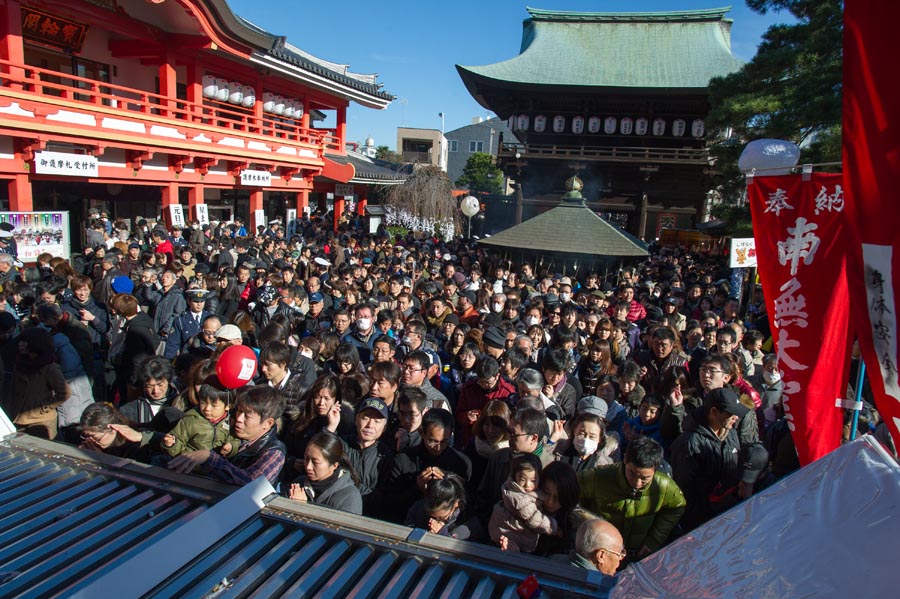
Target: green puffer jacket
x=644 y=517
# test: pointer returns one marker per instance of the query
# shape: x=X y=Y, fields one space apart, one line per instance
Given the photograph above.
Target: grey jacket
x=341 y=495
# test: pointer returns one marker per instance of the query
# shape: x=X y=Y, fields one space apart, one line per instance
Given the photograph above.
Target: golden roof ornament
x=573 y=183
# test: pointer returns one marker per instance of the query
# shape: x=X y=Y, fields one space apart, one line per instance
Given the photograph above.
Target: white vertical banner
x=290 y=221
x=260 y=217
x=202 y=213
x=176 y=214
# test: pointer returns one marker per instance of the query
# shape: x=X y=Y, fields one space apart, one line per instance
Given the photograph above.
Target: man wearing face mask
x=498 y=301
x=770 y=386
x=363 y=333
x=643 y=503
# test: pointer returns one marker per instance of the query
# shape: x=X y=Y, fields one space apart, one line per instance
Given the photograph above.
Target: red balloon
x=236 y=366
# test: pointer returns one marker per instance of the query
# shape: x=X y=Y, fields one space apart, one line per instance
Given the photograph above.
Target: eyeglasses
x=711 y=370
x=616 y=553
x=411 y=368
x=95 y=437
x=513 y=435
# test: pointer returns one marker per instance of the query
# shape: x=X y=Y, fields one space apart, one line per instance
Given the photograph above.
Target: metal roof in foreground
x=76 y=524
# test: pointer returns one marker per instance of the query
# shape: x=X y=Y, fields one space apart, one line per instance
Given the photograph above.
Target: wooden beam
x=135 y=49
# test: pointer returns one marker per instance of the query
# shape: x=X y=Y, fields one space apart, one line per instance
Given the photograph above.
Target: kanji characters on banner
x=871 y=138
x=801 y=249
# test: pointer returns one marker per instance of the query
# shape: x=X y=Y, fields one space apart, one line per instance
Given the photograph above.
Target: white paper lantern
x=626 y=126
x=559 y=123
x=609 y=125
x=594 y=124
x=298 y=109
x=279 y=105
x=578 y=125
x=698 y=128
x=640 y=126
x=678 y=127
x=222 y=92
x=469 y=206
x=235 y=92
x=522 y=122
x=249 y=97
x=540 y=123
x=210 y=89
x=268 y=101
x=659 y=127
x=288 y=109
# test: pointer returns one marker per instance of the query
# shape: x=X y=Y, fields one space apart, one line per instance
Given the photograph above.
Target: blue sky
x=414 y=45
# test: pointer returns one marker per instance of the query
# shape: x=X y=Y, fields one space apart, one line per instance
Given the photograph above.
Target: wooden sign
x=50 y=30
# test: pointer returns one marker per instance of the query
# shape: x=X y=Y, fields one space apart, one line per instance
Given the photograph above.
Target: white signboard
x=65 y=165
x=260 y=217
x=343 y=189
x=743 y=253
x=290 y=221
x=176 y=214
x=256 y=178
x=202 y=211
x=35 y=233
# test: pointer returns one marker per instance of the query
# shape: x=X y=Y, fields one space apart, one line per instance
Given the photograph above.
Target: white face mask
x=306 y=353
x=585 y=446
x=195 y=227
x=532 y=320
x=771 y=378
x=497 y=307
x=406 y=341
x=363 y=324
x=564 y=297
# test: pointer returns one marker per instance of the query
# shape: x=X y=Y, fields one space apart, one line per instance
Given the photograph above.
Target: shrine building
x=136 y=105
x=618 y=98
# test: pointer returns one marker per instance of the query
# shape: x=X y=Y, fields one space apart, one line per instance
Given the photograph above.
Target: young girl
x=444 y=510
x=518 y=520
x=205 y=426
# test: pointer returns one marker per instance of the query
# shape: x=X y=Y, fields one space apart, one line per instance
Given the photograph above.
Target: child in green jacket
x=205 y=426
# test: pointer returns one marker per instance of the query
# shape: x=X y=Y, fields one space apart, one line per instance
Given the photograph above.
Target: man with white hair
x=598 y=546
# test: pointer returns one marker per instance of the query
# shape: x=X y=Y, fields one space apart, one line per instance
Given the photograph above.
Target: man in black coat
x=432 y=459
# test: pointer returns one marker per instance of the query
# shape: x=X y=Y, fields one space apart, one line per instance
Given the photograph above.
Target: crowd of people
x=412 y=380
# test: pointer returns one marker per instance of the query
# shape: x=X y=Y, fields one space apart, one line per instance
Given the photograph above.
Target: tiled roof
x=630 y=50
x=373 y=170
x=570 y=228
x=289 y=54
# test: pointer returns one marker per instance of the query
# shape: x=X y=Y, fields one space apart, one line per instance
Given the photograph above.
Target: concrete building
x=422 y=146
x=483 y=135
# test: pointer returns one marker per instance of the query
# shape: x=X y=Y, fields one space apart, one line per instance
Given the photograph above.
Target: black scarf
x=320 y=486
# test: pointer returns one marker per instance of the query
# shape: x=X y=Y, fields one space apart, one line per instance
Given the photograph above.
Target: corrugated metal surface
x=62 y=525
x=68 y=521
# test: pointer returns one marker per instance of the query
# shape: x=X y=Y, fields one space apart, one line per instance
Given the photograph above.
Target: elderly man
x=598 y=546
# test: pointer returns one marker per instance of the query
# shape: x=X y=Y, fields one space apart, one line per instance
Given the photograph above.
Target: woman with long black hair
x=328 y=479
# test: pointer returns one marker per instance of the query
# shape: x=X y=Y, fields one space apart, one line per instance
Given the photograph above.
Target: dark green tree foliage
x=481 y=175
x=790 y=90
x=386 y=154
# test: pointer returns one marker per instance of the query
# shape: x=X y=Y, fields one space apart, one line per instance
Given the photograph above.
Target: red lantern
x=236 y=366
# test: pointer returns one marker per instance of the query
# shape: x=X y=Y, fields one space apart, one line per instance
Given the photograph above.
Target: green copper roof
x=683 y=49
x=570 y=228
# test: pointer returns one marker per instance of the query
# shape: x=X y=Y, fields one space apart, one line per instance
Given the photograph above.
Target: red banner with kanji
x=801 y=247
x=871 y=144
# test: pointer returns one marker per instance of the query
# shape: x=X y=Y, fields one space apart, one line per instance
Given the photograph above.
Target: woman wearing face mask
x=770 y=386
x=589 y=445
x=489 y=434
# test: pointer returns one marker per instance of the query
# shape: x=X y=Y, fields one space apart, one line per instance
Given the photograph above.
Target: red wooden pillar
x=302 y=202
x=11 y=47
x=195 y=90
x=168 y=80
x=256 y=203
x=339 y=203
x=169 y=197
x=341 y=130
x=195 y=196
x=20 y=198
x=361 y=202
